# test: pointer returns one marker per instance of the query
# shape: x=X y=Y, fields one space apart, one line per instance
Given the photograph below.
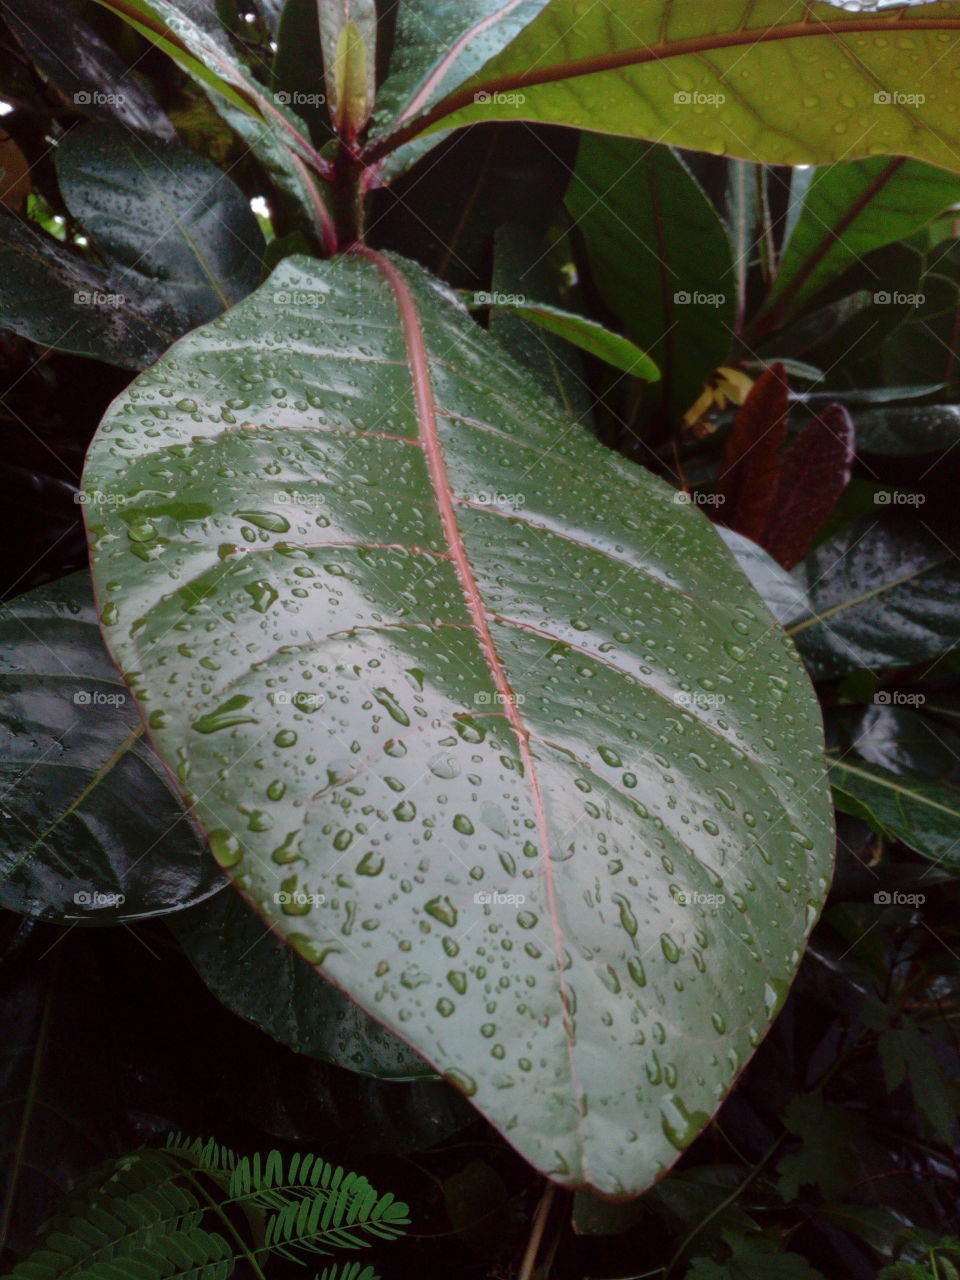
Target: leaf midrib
x=661 y=52
x=429 y=434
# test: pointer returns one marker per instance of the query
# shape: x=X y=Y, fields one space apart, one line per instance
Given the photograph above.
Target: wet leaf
x=250 y=971
x=882 y=595
x=504 y=750
x=93 y=830
x=168 y=221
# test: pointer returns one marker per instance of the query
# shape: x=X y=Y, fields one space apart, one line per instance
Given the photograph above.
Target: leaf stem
x=536 y=1233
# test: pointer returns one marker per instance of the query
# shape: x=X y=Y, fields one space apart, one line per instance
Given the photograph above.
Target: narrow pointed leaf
x=587 y=334
x=851 y=209
x=464 y=714
x=795 y=82
x=93 y=829
x=882 y=596
x=660 y=257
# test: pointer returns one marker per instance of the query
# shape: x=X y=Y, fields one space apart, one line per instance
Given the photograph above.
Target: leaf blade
x=461 y=632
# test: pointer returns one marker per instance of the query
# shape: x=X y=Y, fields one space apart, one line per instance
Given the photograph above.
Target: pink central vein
x=436 y=463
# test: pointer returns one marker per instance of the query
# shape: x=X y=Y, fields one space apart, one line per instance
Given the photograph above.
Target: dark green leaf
x=923 y=814
x=50 y=295
x=389 y=682
x=851 y=209
x=170 y=221
x=882 y=596
x=83 y=66
x=523 y=261
x=252 y=972
x=780 y=591
x=93 y=829
x=906 y=430
x=661 y=258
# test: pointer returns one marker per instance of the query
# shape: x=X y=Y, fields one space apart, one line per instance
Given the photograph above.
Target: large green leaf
x=881 y=596
x=778 y=81
x=419 y=647
x=251 y=972
x=170 y=221
x=93 y=829
x=850 y=210
x=661 y=258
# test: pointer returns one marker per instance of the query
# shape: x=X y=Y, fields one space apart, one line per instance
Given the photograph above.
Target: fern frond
x=348 y=1271
x=153 y=1215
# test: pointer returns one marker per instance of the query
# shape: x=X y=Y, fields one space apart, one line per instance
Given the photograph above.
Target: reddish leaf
x=816 y=470
x=750 y=475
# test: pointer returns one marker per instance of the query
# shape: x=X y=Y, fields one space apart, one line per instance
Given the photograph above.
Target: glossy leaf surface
x=93 y=829
x=170 y=221
x=525 y=753
x=250 y=971
x=882 y=596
